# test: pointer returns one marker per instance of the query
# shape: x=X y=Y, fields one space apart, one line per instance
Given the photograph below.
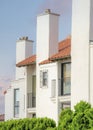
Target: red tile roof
x=45 y=62
x=28 y=61
x=65 y=43
x=62 y=54
x=2 y=117
x=64 y=50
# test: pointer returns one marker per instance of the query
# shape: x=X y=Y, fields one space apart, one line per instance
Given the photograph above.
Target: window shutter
x=41 y=78
x=53 y=88
x=47 y=77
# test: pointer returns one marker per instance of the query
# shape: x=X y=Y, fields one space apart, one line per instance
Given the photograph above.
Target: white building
x=60 y=74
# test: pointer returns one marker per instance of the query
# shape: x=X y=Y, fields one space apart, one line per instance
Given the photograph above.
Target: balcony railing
x=31 y=100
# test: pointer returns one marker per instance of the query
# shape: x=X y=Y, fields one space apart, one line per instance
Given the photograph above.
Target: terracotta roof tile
x=45 y=62
x=62 y=54
x=27 y=61
x=64 y=51
x=65 y=43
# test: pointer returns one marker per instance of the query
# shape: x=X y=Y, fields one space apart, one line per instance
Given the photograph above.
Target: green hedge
x=79 y=119
x=52 y=128
x=28 y=124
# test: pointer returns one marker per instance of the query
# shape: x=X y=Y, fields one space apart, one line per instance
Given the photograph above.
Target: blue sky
x=17 y=19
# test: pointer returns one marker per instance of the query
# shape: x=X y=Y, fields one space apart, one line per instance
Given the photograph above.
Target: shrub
x=82 y=106
x=65 y=119
x=52 y=128
x=79 y=119
x=28 y=124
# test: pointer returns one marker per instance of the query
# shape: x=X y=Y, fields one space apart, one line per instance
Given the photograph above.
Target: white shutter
x=41 y=78
x=53 y=88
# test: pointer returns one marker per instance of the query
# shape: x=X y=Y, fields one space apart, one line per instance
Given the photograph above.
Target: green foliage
x=28 y=124
x=65 y=119
x=79 y=119
x=52 y=128
x=81 y=106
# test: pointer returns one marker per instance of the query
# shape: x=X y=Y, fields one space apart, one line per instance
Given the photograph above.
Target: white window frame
x=42 y=78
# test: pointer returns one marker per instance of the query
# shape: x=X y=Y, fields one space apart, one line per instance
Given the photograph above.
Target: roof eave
x=25 y=64
x=60 y=58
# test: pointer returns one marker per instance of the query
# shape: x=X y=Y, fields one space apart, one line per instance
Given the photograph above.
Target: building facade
x=60 y=74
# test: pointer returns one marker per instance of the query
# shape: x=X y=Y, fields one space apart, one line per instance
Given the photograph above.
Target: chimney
x=47 y=35
x=24 y=48
x=47 y=11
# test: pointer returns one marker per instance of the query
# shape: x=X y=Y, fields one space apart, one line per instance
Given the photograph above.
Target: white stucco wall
x=80 y=51
x=9 y=100
x=9 y=104
x=45 y=106
x=91 y=73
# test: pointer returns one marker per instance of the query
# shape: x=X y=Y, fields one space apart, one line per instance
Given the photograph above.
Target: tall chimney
x=47 y=35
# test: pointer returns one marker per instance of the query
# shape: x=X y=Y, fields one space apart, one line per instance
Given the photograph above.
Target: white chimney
x=47 y=35
x=24 y=48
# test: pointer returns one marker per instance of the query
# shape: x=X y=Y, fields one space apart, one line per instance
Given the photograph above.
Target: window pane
x=66 y=70
x=45 y=78
x=66 y=79
x=16 y=102
x=17 y=94
x=66 y=86
x=16 y=111
x=66 y=105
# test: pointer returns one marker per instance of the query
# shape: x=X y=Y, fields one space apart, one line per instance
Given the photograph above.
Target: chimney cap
x=23 y=38
x=47 y=11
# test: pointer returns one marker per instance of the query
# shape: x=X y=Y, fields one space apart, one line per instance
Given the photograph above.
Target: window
x=43 y=78
x=16 y=102
x=66 y=105
x=66 y=79
x=33 y=115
